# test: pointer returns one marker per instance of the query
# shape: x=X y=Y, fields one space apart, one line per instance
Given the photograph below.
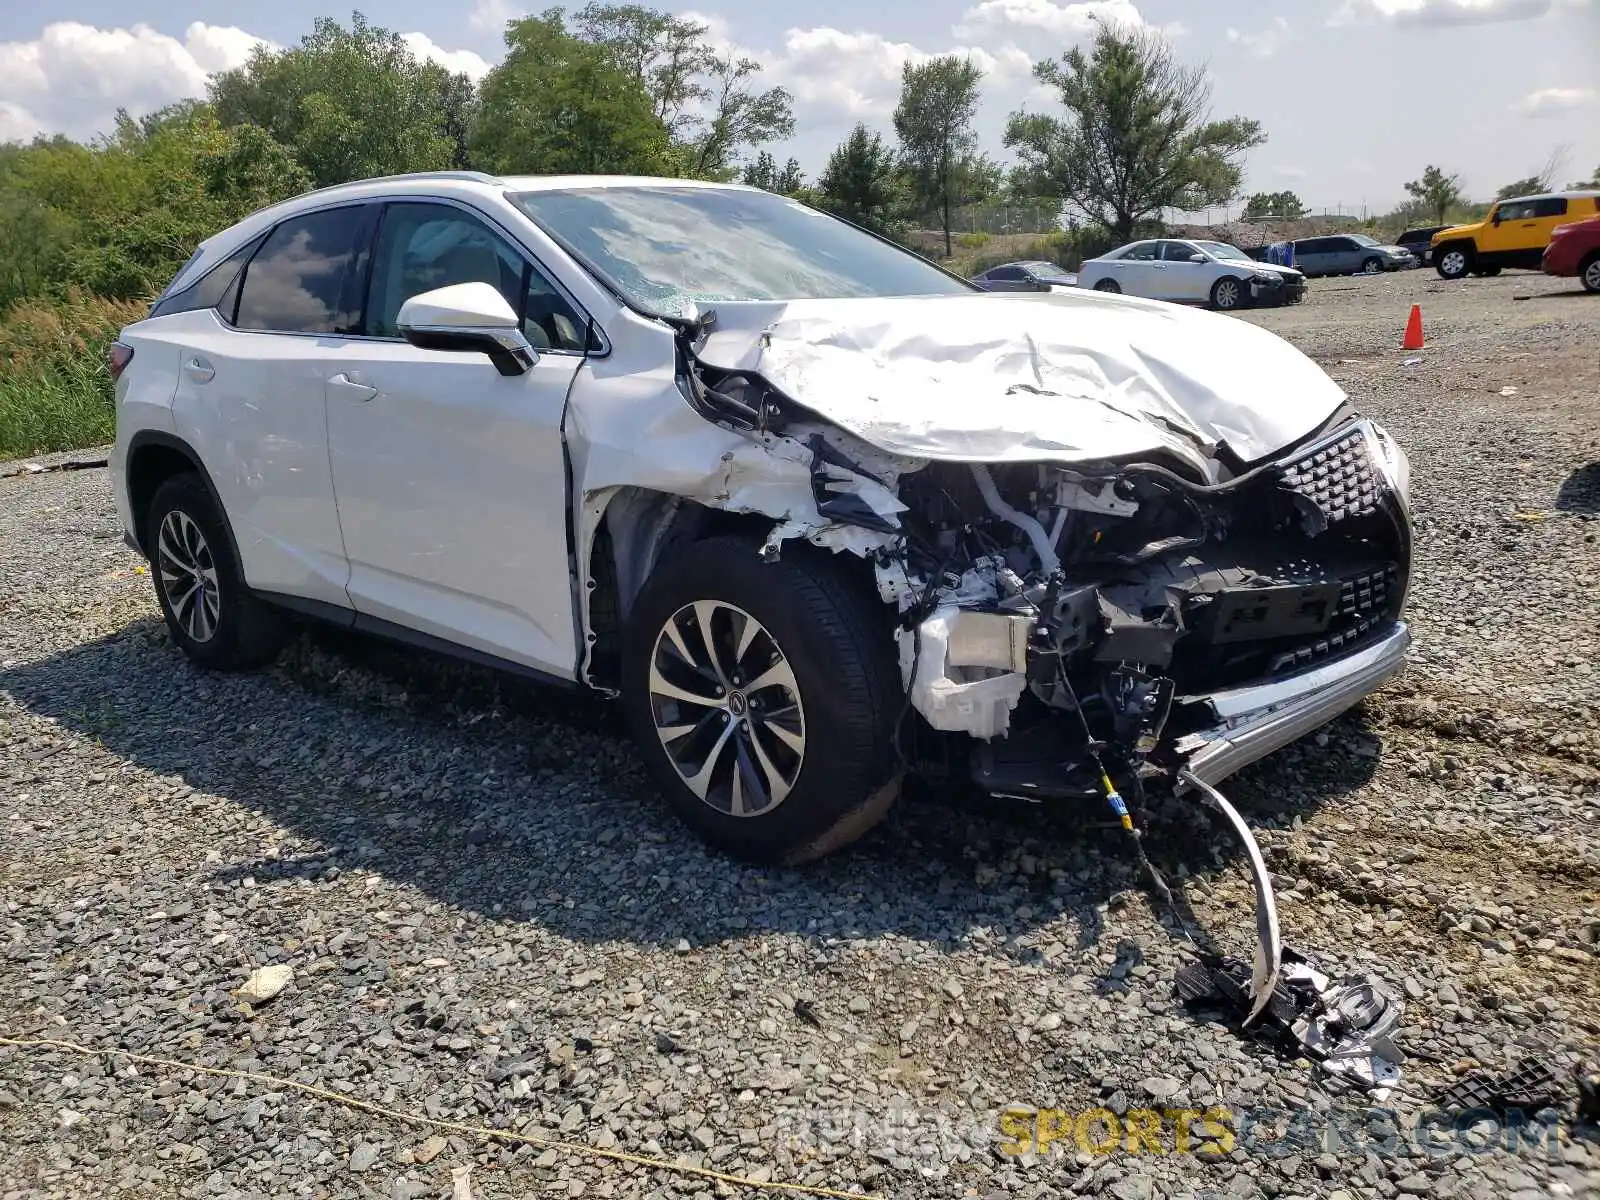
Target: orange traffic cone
x=1413 y=338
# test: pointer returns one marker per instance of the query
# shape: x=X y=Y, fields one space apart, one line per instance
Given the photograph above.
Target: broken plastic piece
x=1269 y=945
x=1530 y=1086
x=970 y=669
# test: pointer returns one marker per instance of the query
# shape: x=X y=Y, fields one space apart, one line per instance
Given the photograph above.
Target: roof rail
x=473 y=176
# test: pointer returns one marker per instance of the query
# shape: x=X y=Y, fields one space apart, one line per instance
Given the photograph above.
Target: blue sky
x=1355 y=95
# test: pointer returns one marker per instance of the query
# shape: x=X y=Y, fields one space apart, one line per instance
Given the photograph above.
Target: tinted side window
x=1007 y=274
x=1311 y=246
x=1552 y=206
x=217 y=288
x=297 y=283
x=426 y=246
x=1177 y=252
x=1144 y=252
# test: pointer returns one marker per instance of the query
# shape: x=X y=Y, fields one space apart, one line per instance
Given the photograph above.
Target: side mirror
x=1197 y=258
x=468 y=316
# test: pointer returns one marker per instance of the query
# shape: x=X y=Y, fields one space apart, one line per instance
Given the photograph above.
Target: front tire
x=763 y=697
x=1227 y=294
x=1373 y=266
x=1589 y=272
x=1453 y=262
x=209 y=611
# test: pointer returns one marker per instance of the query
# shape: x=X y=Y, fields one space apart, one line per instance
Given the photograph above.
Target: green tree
x=349 y=103
x=1592 y=182
x=1274 y=204
x=860 y=181
x=1436 y=191
x=1137 y=135
x=708 y=101
x=933 y=121
x=561 y=104
x=1520 y=187
x=740 y=115
x=765 y=173
x=118 y=217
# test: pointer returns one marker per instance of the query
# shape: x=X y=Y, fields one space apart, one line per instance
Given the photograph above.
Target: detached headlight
x=1391 y=460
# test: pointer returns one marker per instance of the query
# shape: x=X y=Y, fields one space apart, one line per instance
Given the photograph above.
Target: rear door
x=451 y=478
x=1310 y=255
x=1135 y=271
x=250 y=398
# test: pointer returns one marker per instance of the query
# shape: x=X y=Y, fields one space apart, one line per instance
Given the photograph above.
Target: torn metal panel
x=1064 y=377
x=1269 y=943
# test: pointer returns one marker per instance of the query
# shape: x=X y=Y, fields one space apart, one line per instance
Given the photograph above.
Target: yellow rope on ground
x=502 y=1135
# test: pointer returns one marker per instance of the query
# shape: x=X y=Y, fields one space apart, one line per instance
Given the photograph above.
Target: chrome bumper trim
x=1255 y=721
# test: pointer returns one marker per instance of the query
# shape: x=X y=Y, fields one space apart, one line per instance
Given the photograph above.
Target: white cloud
x=457 y=62
x=1069 y=21
x=73 y=77
x=493 y=14
x=1264 y=43
x=1550 y=101
x=1443 y=12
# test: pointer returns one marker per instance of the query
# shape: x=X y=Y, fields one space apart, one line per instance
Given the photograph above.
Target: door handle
x=343 y=383
x=199 y=370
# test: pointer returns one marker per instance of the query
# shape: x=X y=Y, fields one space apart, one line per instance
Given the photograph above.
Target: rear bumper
x=1254 y=721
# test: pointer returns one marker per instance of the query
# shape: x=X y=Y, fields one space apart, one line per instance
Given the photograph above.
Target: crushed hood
x=1064 y=376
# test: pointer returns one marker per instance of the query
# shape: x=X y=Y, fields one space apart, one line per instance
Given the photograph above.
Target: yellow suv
x=1514 y=234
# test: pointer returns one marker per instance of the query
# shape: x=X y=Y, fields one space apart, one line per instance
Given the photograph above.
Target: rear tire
x=1453 y=261
x=1589 y=272
x=1108 y=285
x=208 y=608
x=790 y=769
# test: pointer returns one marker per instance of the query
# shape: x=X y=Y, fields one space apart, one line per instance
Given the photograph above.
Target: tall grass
x=55 y=391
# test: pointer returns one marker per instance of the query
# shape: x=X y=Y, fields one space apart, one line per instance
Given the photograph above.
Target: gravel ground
x=490 y=918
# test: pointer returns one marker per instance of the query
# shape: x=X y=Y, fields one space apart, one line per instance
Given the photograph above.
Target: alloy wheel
x=188 y=575
x=727 y=708
x=1227 y=294
x=1454 y=263
x=1591 y=276
x=1372 y=267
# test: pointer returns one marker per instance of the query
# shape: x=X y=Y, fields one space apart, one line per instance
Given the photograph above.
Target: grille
x=1364 y=601
x=1337 y=477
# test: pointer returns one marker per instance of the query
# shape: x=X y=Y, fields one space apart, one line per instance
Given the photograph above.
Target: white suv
x=818 y=511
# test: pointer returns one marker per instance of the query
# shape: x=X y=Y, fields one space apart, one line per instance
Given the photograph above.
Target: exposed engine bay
x=1116 y=595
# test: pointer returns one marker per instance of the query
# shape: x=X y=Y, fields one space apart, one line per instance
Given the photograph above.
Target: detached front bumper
x=1253 y=721
x=1285 y=291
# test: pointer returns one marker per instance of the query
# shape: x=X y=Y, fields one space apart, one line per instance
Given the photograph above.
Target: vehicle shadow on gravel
x=1580 y=491
x=424 y=772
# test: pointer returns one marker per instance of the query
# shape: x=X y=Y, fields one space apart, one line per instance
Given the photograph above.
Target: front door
x=451 y=478
x=1181 y=278
x=1512 y=233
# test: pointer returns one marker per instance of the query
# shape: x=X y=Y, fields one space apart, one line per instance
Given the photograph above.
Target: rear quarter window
x=305 y=278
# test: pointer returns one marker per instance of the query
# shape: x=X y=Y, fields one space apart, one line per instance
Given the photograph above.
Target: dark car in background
x=1034 y=276
x=1417 y=241
x=1348 y=254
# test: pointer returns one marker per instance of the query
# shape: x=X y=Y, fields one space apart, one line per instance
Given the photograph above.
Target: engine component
x=965 y=671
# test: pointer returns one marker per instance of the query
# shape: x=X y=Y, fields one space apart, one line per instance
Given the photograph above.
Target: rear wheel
x=1589 y=272
x=1108 y=285
x=209 y=611
x=1453 y=262
x=1227 y=293
x=763 y=696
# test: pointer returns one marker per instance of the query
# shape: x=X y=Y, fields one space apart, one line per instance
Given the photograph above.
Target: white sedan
x=1195 y=272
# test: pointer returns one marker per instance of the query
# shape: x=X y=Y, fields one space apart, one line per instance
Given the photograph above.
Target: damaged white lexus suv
x=818 y=512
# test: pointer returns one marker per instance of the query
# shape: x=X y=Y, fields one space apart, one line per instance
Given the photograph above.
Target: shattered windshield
x=665 y=248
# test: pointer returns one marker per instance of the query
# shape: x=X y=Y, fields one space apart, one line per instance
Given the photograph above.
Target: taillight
x=118 y=356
